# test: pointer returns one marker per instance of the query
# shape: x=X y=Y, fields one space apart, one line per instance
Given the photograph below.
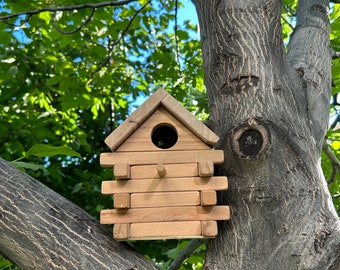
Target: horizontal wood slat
x=165 y=184
x=171 y=170
x=163 y=214
x=162 y=230
x=159 y=199
x=146 y=158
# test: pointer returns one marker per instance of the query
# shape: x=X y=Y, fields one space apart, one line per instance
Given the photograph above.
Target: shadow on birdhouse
x=163 y=165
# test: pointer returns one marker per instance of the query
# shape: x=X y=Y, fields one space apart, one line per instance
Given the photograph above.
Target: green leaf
x=28 y=165
x=44 y=150
x=46 y=16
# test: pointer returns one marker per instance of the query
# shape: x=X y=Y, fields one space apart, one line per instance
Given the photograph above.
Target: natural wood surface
x=122 y=171
x=172 y=170
x=161 y=230
x=157 y=199
x=160 y=98
x=140 y=140
x=208 y=197
x=39 y=229
x=122 y=200
x=165 y=184
x=169 y=230
x=205 y=168
x=156 y=214
x=161 y=169
x=148 y=158
x=197 y=127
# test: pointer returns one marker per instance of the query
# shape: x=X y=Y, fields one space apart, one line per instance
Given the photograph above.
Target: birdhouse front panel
x=164 y=185
x=162 y=131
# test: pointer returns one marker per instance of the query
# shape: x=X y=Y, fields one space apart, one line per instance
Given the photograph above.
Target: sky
x=188 y=12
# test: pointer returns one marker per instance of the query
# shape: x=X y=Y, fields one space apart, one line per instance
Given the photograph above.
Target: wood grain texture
x=146 y=158
x=39 y=229
x=169 y=230
x=122 y=200
x=160 y=98
x=141 y=141
x=172 y=170
x=164 y=214
x=157 y=199
x=165 y=184
x=122 y=171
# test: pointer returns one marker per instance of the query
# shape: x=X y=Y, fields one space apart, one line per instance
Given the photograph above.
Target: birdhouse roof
x=160 y=99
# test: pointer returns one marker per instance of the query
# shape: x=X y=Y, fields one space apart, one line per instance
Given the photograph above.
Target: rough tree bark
x=40 y=229
x=270 y=108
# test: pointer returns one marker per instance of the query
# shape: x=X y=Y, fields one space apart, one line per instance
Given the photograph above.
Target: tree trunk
x=39 y=229
x=270 y=110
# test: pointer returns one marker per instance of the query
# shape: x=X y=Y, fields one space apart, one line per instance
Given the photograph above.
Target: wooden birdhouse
x=163 y=166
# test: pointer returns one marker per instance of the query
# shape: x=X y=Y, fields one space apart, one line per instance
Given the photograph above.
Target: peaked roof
x=160 y=98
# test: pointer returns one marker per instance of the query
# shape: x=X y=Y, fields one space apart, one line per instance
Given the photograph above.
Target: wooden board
x=164 y=214
x=159 y=199
x=158 y=230
x=165 y=184
x=171 y=170
x=165 y=157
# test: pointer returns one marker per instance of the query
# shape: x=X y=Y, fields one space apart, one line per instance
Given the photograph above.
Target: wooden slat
x=165 y=184
x=162 y=214
x=159 y=199
x=168 y=230
x=146 y=158
x=172 y=170
x=197 y=127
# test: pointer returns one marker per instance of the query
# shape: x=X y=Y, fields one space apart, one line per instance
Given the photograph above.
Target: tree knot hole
x=164 y=136
x=249 y=140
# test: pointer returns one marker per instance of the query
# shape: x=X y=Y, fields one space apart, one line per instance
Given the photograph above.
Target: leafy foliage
x=66 y=83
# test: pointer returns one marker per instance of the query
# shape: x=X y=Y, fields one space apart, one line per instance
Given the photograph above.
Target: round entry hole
x=164 y=136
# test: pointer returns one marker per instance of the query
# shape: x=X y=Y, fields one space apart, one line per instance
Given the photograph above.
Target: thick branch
x=333 y=159
x=186 y=252
x=310 y=53
x=39 y=229
x=30 y=13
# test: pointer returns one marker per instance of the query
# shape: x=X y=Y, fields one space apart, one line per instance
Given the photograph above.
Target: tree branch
x=77 y=28
x=336 y=55
x=42 y=230
x=176 y=37
x=312 y=29
x=333 y=159
x=30 y=13
x=113 y=44
x=186 y=252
